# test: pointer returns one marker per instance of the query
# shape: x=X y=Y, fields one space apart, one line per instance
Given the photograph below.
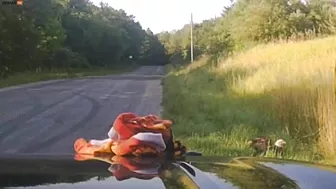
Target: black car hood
x=54 y=172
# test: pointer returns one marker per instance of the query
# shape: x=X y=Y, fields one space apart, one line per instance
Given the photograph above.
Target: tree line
x=63 y=34
x=57 y=34
x=246 y=23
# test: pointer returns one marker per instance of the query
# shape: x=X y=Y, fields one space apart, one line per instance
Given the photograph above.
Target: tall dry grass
x=283 y=90
x=300 y=78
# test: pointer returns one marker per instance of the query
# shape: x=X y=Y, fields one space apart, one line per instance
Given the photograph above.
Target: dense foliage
x=248 y=22
x=54 y=34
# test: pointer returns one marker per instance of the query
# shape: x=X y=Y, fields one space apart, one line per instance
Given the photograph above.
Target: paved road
x=48 y=117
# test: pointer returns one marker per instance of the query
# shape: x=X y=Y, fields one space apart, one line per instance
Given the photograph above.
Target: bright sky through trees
x=159 y=15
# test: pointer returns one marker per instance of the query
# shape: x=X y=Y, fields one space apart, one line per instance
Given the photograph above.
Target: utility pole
x=191 y=40
x=335 y=79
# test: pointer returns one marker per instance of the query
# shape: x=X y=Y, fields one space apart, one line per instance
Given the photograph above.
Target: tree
x=246 y=23
x=52 y=34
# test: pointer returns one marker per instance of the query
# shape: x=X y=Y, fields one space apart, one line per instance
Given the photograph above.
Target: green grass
x=31 y=77
x=282 y=90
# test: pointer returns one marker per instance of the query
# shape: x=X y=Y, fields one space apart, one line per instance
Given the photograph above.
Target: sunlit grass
x=282 y=90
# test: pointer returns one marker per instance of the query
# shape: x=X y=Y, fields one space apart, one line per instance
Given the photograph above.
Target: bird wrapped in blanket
x=131 y=134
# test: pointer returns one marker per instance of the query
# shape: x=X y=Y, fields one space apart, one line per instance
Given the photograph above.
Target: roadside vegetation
x=54 y=39
x=31 y=77
x=263 y=68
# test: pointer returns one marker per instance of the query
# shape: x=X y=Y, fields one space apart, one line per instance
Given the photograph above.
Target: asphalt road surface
x=48 y=117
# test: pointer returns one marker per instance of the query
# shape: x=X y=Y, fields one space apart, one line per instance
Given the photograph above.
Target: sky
x=167 y=15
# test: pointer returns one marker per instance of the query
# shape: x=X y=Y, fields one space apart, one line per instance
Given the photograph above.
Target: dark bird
x=261 y=145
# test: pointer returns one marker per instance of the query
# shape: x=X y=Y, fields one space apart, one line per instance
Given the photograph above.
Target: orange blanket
x=132 y=134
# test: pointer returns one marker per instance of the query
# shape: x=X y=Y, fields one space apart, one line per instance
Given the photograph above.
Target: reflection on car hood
x=193 y=172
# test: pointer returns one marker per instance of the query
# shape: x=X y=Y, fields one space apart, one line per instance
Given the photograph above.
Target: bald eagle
x=262 y=145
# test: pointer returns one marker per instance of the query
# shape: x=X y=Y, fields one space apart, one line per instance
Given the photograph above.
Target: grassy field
x=282 y=90
x=30 y=77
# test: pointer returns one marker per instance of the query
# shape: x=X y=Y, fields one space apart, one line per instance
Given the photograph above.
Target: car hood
x=54 y=172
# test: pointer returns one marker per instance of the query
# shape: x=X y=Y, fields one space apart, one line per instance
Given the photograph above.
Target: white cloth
x=155 y=138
